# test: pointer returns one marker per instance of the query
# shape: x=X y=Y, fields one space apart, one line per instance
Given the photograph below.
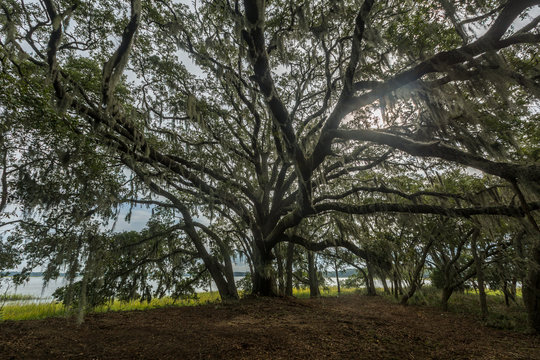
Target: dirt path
x=350 y=327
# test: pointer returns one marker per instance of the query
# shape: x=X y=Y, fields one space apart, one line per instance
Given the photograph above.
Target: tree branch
x=114 y=67
x=424 y=209
x=508 y=171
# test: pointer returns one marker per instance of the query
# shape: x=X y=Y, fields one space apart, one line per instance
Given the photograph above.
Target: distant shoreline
x=345 y=273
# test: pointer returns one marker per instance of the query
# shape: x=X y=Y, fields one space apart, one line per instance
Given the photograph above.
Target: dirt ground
x=349 y=327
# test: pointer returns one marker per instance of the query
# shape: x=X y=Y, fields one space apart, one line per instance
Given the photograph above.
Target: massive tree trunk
x=231 y=292
x=227 y=289
x=289 y=270
x=312 y=274
x=446 y=293
x=370 y=284
x=395 y=285
x=385 y=285
x=263 y=279
x=410 y=293
x=280 y=274
x=479 y=263
x=531 y=289
x=531 y=286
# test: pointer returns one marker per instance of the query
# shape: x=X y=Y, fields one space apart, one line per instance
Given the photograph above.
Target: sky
x=139 y=218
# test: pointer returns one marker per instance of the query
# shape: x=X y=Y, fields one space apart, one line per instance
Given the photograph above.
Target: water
x=34 y=287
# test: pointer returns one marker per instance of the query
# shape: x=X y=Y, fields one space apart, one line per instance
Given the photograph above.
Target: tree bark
x=505 y=292
x=227 y=291
x=531 y=289
x=370 y=285
x=395 y=285
x=312 y=274
x=385 y=285
x=417 y=273
x=263 y=282
x=337 y=277
x=280 y=274
x=446 y=293
x=223 y=275
x=479 y=262
x=531 y=286
x=289 y=270
x=513 y=287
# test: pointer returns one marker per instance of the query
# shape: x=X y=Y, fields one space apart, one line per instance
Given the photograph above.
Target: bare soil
x=349 y=327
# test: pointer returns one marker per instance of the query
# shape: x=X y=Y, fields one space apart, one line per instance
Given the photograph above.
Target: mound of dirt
x=349 y=327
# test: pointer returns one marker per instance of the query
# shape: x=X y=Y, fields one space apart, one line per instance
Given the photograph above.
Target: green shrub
x=245 y=284
x=353 y=281
x=437 y=278
x=95 y=295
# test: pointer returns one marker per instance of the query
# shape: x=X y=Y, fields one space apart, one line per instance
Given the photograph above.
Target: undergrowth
x=500 y=316
x=330 y=291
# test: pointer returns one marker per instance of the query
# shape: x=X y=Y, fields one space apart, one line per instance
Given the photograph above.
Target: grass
x=57 y=309
x=330 y=291
x=22 y=311
x=500 y=316
x=31 y=311
x=202 y=298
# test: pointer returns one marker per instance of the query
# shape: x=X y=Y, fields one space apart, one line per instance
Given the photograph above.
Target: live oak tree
x=44 y=173
x=294 y=109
